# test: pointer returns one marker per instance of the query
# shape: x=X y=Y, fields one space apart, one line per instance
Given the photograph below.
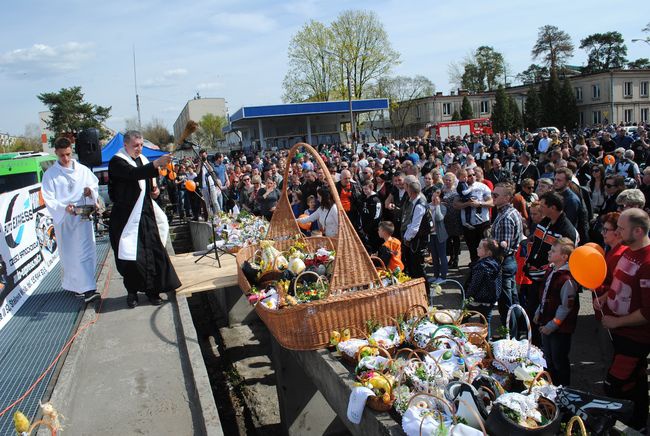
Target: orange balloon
x=588 y=267
x=609 y=160
x=170 y=166
x=163 y=172
x=190 y=185
x=304 y=226
x=171 y=175
x=597 y=247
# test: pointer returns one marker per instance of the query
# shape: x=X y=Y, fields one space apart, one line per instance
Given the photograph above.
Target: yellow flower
x=21 y=422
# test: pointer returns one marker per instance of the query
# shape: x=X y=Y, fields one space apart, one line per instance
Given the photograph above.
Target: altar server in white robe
x=65 y=185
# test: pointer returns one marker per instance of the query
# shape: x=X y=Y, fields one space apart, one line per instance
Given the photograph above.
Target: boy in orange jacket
x=391 y=251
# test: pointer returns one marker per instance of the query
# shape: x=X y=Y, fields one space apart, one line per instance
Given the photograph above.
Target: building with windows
x=617 y=96
x=196 y=109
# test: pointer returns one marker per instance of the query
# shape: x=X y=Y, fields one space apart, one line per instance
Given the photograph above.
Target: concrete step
x=247 y=346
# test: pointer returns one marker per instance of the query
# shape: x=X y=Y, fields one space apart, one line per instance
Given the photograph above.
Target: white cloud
x=177 y=72
x=206 y=86
x=43 y=59
x=167 y=79
x=250 y=22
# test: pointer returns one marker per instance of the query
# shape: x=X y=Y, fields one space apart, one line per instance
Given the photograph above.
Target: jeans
x=438 y=252
x=556 y=348
x=184 y=207
x=508 y=295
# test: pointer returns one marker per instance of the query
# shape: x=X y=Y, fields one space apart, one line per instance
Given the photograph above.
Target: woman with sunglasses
x=597 y=187
x=615 y=250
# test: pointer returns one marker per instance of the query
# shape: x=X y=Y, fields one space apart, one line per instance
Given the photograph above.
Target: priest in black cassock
x=138 y=227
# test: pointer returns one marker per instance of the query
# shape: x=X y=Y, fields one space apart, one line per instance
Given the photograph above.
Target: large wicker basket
x=356 y=294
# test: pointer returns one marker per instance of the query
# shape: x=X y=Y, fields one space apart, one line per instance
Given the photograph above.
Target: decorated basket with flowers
x=356 y=292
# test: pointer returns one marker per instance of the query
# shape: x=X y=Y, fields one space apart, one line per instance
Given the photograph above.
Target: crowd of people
x=520 y=202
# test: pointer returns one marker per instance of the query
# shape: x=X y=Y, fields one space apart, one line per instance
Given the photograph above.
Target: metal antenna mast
x=137 y=97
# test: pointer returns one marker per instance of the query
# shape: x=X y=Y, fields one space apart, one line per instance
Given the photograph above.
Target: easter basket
x=356 y=292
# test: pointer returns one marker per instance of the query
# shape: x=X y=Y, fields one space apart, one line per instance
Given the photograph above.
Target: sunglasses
x=610 y=185
x=470 y=174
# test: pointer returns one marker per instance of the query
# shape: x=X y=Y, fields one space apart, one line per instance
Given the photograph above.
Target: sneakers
x=89 y=296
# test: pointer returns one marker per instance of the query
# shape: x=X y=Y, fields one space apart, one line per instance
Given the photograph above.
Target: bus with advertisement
x=21 y=169
x=475 y=126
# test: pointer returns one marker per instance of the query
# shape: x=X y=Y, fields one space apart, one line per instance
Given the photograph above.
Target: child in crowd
x=391 y=251
x=557 y=313
x=465 y=194
x=484 y=282
x=312 y=206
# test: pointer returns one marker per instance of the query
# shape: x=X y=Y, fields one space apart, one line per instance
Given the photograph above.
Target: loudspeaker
x=88 y=149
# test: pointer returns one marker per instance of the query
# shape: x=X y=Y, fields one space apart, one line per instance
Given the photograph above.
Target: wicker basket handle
x=352 y=265
x=581 y=424
x=441 y=400
x=320 y=280
x=530 y=332
x=415 y=306
x=471 y=313
x=538 y=377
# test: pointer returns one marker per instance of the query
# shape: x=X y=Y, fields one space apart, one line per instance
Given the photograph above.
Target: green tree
x=309 y=77
x=210 y=129
x=533 y=74
x=551 y=102
x=501 y=114
x=472 y=79
x=516 y=120
x=568 y=106
x=639 y=64
x=156 y=132
x=605 y=51
x=533 y=109
x=71 y=114
x=480 y=71
x=455 y=116
x=321 y=58
x=362 y=49
x=466 y=112
x=553 y=46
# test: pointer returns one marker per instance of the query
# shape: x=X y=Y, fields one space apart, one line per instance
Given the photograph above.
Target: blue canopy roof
x=309 y=108
x=115 y=144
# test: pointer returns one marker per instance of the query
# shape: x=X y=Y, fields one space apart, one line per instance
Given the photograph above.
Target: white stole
x=128 y=245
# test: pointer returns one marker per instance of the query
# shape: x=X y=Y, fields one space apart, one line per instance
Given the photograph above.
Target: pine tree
x=551 y=102
x=501 y=117
x=533 y=109
x=516 y=120
x=455 y=116
x=466 y=112
x=568 y=106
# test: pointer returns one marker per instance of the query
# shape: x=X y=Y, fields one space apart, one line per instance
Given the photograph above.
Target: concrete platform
x=135 y=371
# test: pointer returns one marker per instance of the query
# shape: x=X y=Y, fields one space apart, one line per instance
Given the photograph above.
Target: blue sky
x=237 y=49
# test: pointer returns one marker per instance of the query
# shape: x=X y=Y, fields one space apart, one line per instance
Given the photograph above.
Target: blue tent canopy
x=115 y=144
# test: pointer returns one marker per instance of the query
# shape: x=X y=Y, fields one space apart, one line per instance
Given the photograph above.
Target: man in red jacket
x=626 y=308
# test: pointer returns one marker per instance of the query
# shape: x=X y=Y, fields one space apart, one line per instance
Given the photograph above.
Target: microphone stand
x=190 y=145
